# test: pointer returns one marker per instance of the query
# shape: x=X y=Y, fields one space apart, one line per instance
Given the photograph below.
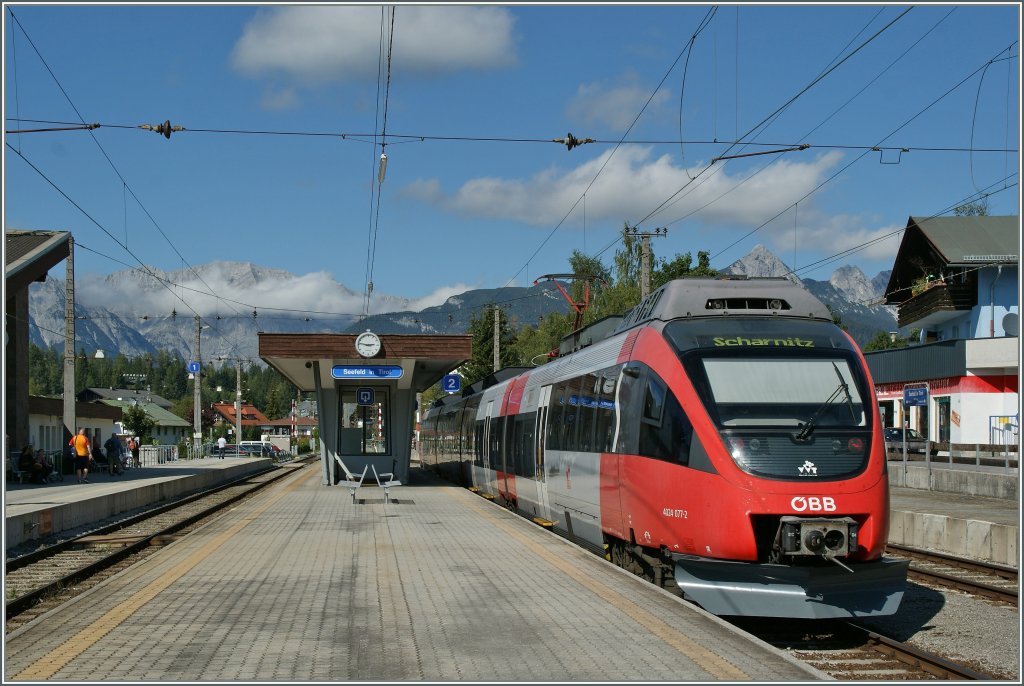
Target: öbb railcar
x=725 y=432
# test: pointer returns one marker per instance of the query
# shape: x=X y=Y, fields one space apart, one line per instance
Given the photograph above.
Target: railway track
x=984 y=579
x=849 y=652
x=49 y=576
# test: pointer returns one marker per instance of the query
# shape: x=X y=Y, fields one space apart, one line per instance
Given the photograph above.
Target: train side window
x=604 y=425
x=589 y=389
x=570 y=420
x=478 y=447
x=555 y=415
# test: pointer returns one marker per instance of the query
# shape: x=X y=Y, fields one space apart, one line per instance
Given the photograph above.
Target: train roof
x=726 y=297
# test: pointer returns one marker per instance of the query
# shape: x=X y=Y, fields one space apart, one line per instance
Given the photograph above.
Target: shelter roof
x=29 y=255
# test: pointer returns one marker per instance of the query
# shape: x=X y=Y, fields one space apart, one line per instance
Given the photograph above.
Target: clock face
x=367 y=344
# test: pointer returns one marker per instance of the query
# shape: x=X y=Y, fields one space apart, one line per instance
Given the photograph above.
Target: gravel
x=979 y=633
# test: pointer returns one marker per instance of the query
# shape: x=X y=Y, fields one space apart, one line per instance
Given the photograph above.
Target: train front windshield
x=787 y=396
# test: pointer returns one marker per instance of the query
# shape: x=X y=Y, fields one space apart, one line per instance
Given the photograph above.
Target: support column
x=70 y=419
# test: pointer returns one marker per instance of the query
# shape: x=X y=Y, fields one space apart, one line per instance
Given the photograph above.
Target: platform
x=32 y=511
x=305 y=583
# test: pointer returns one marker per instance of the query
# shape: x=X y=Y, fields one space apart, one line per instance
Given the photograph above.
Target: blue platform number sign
x=915 y=397
x=451 y=383
x=364 y=396
x=193 y=367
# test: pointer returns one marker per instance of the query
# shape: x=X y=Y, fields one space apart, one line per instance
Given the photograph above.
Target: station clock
x=368 y=344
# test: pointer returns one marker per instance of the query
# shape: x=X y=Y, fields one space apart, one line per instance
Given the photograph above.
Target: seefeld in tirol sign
x=363 y=371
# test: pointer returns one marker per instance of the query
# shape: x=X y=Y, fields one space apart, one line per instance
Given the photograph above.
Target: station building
x=365 y=386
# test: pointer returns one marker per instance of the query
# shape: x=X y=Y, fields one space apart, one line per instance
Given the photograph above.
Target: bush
x=302 y=445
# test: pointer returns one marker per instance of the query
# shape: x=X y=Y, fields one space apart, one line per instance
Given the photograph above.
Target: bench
x=387 y=483
x=352 y=480
x=12 y=462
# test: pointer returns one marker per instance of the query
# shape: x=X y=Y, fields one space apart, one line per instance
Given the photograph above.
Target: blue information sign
x=451 y=383
x=356 y=371
x=364 y=396
x=193 y=367
x=915 y=397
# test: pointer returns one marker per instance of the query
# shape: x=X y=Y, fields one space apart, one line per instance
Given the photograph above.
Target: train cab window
x=665 y=430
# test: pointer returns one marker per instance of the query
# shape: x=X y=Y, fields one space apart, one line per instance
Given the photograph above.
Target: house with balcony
x=955 y=281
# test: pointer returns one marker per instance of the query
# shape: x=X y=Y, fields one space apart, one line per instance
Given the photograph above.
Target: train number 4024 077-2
x=669 y=512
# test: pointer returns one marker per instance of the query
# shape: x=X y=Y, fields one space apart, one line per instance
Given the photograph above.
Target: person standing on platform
x=83 y=452
x=113 y=448
x=222 y=444
x=133 y=448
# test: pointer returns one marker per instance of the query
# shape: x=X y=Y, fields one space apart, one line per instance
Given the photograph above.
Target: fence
x=976 y=454
x=1004 y=430
x=150 y=455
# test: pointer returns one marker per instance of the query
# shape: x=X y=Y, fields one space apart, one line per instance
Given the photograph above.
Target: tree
x=978 y=208
x=885 y=341
x=681 y=267
x=135 y=420
x=481 y=327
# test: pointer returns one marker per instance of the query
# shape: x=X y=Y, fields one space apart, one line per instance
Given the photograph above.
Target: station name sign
x=358 y=371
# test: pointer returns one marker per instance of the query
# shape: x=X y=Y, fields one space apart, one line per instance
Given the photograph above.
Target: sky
x=286 y=111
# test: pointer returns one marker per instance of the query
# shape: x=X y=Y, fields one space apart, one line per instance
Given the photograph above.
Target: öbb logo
x=813 y=504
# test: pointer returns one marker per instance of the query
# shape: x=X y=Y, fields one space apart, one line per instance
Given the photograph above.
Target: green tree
x=883 y=340
x=481 y=327
x=135 y=420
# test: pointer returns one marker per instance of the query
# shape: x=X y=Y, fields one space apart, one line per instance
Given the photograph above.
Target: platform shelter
x=366 y=386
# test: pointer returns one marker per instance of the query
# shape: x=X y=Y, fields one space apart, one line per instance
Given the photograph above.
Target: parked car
x=894 y=438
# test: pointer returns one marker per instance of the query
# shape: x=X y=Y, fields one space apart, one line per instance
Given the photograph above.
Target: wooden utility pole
x=645 y=255
x=497 y=339
x=197 y=400
x=238 y=404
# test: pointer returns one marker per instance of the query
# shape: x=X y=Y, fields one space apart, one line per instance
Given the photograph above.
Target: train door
x=541 y=497
x=487 y=475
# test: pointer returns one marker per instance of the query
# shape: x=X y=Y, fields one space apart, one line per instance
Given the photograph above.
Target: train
x=723 y=434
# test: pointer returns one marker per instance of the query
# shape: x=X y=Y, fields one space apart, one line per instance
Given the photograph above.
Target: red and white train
x=724 y=432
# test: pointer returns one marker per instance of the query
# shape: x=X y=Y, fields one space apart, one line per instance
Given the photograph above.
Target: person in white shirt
x=221 y=445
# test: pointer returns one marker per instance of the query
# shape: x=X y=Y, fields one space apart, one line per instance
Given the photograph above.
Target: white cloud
x=240 y=287
x=318 y=44
x=613 y=106
x=831 y=235
x=631 y=185
x=439 y=296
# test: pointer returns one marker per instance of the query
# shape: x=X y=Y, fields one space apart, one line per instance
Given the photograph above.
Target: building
x=90 y=395
x=46 y=422
x=168 y=428
x=251 y=418
x=956 y=281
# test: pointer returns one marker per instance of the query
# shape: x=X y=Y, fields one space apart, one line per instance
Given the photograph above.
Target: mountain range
x=135 y=312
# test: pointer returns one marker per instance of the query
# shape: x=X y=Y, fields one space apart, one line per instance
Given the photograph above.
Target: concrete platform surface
x=304 y=583
x=967 y=525
x=32 y=511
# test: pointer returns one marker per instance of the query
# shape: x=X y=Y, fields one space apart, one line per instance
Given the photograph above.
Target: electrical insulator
x=383 y=168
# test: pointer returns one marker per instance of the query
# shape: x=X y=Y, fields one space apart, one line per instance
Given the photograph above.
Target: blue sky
x=473 y=197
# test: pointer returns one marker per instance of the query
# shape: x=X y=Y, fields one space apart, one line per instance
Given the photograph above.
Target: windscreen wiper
x=807 y=429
